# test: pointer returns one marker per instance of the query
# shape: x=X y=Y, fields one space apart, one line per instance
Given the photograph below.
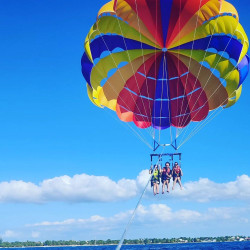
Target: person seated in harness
x=166 y=175
x=177 y=174
x=155 y=180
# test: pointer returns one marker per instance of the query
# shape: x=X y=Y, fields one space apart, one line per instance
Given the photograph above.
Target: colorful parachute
x=165 y=63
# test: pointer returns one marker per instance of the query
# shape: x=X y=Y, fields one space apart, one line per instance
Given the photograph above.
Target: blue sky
x=50 y=129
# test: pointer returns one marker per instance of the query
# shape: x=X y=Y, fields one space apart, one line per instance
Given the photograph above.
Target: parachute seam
x=198 y=127
x=138 y=22
x=196 y=79
x=118 y=70
x=156 y=76
x=178 y=65
x=212 y=74
x=182 y=122
x=144 y=140
x=220 y=15
x=134 y=70
x=191 y=54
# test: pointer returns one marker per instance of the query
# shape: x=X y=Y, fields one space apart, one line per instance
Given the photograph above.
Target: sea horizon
x=192 y=246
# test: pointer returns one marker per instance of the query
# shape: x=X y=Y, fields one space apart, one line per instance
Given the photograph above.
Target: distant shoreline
x=109 y=242
x=177 y=243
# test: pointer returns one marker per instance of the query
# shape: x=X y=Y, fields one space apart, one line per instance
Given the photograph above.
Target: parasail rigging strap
x=156 y=145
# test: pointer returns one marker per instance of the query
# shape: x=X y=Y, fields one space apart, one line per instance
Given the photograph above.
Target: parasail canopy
x=165 y=63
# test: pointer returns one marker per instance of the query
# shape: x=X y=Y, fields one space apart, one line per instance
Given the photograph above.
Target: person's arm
x=169 y=174
x=150 y=170
x=181 y=173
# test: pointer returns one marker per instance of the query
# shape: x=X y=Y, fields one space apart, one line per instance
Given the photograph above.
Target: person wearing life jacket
x=177 y=174
x=155 y=180
x=166 y=175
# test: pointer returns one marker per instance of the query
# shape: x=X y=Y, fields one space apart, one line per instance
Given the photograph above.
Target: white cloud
x=86 y=188
x=9 y=234
x=79 y=188
x=155 y=212
x=154 y=215
x=19 y=191
x=35 y=234
x=206 y=190
x=163 y=213
x=155 y=220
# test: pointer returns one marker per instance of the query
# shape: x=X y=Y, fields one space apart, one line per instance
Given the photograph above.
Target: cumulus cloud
x=79 y=188
x=155 y=220
x=19 y=191
x=86 y=188
x=159 y=214
x=206 y=190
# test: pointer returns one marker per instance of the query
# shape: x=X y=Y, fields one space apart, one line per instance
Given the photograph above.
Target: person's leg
x=157 y=188
x=163 y=186
x=175 y=179
x=167 y=182
x=154 y=188
x=179 y=181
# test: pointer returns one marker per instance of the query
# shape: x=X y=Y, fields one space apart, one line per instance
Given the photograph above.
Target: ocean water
x=192 y=246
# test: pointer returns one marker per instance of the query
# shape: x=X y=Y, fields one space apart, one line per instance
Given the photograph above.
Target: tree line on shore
x=128 y=241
